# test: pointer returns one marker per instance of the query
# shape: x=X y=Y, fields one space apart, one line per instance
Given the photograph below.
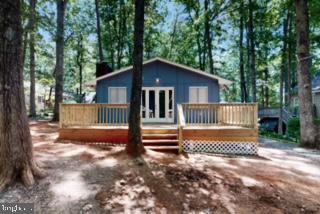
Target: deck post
x=60 y=115
x=181 y=124
x=256 y=116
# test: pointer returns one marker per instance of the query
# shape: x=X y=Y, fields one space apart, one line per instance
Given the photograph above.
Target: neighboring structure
x=315 y=97
x=165 y=84
x=40 y=97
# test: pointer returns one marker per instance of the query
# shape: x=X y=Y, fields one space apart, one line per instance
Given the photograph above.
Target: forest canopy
x=202 y=34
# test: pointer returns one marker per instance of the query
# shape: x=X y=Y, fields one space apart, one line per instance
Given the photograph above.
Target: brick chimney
x=102 y=68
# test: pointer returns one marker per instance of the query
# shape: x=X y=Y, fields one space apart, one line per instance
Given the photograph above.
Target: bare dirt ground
x=86 y=179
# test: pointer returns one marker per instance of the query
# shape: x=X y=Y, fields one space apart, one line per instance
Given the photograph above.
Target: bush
x=294 y=129
x=271 y=134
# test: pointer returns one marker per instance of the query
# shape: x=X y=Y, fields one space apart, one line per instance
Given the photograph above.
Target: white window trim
x=109 y=93
x=192 y=87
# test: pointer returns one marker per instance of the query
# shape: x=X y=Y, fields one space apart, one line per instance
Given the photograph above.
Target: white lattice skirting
x=234 y=148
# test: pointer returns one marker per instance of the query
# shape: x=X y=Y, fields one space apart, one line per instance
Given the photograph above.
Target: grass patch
x=276 y=136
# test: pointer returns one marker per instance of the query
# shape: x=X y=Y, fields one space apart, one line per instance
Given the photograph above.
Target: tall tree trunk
x=101 y=57
x=49 y=97
x=25 y=45
x=248 y=72
x=308 y=129
x=173 y=36
x=201 y=67
x=59 y=71
x=208 y=39
x=79 y=63
x=266 y=78
x=243 y=87
x=252 y=53
x=290 y=51
x=283 y=71
x=201 y=51
x=16 y=150
x=121 y=33
x=135 y=146
x=111 y=45
x=32 y=60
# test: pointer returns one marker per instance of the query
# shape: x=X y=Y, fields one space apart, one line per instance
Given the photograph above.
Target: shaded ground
x=84 y=179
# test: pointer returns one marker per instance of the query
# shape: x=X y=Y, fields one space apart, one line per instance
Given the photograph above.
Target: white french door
x=157 y=104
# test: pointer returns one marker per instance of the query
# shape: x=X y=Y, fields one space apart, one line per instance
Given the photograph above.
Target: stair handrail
x=287 y=114
x=181 y=125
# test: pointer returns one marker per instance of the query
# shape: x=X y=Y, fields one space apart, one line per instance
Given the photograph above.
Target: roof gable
x=221 y=81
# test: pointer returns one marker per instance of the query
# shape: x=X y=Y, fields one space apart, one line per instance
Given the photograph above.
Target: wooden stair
x=164 y=140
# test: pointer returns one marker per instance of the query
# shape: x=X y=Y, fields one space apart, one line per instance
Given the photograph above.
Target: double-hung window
x=198 y=94
x=117 y=95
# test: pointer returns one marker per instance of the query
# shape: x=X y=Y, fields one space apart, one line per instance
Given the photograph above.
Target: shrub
x=294 y=128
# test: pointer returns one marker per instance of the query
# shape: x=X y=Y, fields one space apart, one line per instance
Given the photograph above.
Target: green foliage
x=173 y=30
x=274 y=135
x=294 y=129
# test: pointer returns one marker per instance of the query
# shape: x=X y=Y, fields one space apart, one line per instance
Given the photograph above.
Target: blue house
x=184 y=100
x=165 y=84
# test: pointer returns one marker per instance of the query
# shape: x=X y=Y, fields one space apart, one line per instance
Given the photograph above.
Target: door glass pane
x=152 y=106
x=143 y=104
x=162 y=103
x=170 y=104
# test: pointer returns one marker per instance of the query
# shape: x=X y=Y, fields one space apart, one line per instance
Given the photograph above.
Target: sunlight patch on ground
x=44 y=157
x=290 y=163
x=107 y=163
x=128 y=196
x=73 y=152
x=250 y=182
x=216 y=161
x=35 y=145
x=72 y=187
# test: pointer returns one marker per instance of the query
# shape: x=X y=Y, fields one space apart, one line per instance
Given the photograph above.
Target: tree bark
x=173 y=36
x=207 y=29
x=16 y=150
x=290 y=51
x=32 y=60
x=59 y=71
x=25 y=45
x=244 y=97
x=101 y=57
x=252 y=53
x=283 y=71
x=308 y=129
x=134 y=146
x=79 y=63
x=121 y=33
x=266 y=78
x=248 y=72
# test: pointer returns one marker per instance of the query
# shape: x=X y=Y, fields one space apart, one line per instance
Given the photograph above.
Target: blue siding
x=169 y=75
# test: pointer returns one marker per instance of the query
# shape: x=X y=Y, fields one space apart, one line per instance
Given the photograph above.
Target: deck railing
x=93 y=114
x=224 y=114
x=181 y=125
x=235 y=114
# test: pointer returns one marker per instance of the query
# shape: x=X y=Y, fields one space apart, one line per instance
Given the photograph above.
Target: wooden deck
x=204 y=124
x=119 y=134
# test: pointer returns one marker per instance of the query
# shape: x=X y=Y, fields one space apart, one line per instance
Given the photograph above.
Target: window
x=117 y=95
x=198 y=94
